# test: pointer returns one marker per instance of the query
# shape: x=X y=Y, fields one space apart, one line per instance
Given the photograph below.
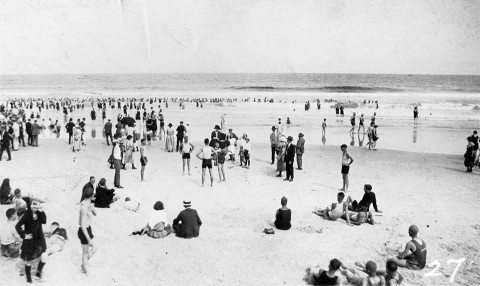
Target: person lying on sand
x=337 y=211
x=360 y=217
x=57 y=237
x=318 y=276
x=414 y=256
x=374 y=278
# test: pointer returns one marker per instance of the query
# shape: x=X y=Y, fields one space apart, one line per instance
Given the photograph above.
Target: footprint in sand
x=309 y=229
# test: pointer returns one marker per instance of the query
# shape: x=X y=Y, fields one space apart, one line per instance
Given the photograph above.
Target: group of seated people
x=185 y=225
x=355 y=213
x=413 y=257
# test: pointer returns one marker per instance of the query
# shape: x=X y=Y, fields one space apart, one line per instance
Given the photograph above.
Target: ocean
x=324 y=83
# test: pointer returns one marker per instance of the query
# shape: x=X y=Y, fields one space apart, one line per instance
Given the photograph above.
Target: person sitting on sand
x=157 y=225
x=374 y=278
x=19 y=202
x=414 y=256
x=187 y=224
x=391 y=275
x=9 y=239
x=104 y=196
x=57 y=237
x=337 y=211
x=318 y=276
x=5 y=195
x=283 y=216
x=364 y=204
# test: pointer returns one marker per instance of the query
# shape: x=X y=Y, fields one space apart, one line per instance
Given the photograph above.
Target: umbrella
x=128 y=121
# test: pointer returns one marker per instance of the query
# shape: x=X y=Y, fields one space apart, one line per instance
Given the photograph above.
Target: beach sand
x=429 y=190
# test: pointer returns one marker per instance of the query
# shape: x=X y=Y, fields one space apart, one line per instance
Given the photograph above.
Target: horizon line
x=231 y=73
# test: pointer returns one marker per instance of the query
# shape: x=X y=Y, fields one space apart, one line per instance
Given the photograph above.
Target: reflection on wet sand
x=415 y=132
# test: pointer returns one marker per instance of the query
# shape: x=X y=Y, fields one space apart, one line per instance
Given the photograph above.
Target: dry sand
x=429 y=190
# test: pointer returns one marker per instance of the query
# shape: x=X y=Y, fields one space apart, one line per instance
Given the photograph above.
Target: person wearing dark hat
x=300 y=149
x=187 y=224
x=108 y=131
x=103 y=195
x=215 y=136
x=289 y=158
x=180 y=134
x=274 y=143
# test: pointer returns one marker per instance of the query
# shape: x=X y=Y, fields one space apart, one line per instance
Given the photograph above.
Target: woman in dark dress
x=5 y=195
x=469 y=155
x=103 y=196
x=283 y=216
x=29 y=227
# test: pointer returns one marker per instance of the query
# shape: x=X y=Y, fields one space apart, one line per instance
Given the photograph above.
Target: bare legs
x=345 y=183
x=187 y=163
x=88 y=250
x=221 y=173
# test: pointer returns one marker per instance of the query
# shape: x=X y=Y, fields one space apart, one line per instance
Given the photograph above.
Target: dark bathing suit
x=324 y=279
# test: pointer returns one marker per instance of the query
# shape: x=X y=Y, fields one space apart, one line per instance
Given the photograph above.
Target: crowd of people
x=23 y=235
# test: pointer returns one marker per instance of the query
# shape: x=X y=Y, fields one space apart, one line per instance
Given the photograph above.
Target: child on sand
x=186 y=148
x=18 y=200
x=57 y=237
x=347 y=160
x=9 y=239
x=246 y=152
x=130 y=205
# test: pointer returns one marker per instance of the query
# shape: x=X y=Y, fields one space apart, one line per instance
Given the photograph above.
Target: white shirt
x=116 y=152
x=207 y=152
x=8 y=234
x=247 y=146
x=157 y=217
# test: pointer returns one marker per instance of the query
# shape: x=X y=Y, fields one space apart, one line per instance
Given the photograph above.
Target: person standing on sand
x=469 y=155
x=415 y=114
x=5 y=143
x=108 y=131
x=289 y=158
x=29 y=227
x=186 y=149
x=324 y=127
x=117 y=162
x=85 y=230
x=35 y=133
x=69 y=127
x=352 y=121
x=414 y=256
x=273 y=143
x=206 y=157
x=180 y=135
x=282 y=147
x=347 y=160
x=169 y=143
x=360 y=124
x=143 y=157
x=28 y=129
x=300 y=149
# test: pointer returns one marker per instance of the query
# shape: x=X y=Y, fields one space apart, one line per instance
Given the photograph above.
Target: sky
x=240 y=36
